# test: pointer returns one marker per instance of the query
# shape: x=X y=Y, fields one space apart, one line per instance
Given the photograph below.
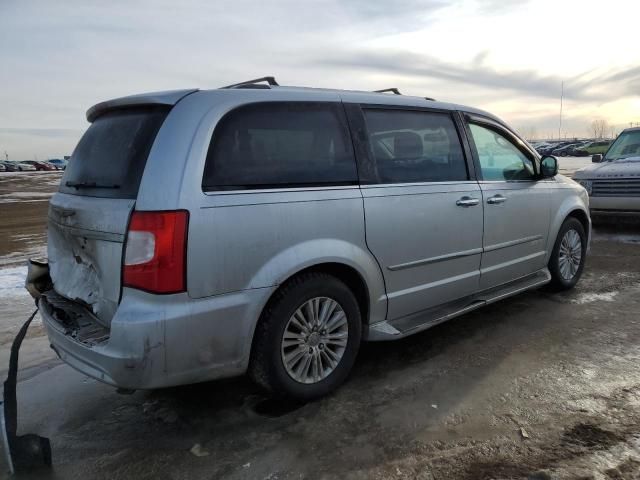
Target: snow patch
x=594 y=297
x=25 y=197
x=12 y=282
x=617 y=237
x=16 y=258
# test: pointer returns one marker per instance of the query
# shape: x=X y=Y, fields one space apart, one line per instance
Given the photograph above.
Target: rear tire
x=568 y=256
x=304 y=355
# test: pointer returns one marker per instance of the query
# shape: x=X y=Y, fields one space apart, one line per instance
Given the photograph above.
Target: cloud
x=80 y=52
x=499 y=7
x=585 y=87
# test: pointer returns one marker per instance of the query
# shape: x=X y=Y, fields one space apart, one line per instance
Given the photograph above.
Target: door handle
x=496 y=199
x=467 y=202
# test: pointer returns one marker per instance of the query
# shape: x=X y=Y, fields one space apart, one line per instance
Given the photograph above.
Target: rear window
x=277 y=145
x=110 y=157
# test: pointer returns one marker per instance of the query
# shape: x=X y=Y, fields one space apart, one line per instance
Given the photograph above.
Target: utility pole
x=561 y=98
x=6 y=156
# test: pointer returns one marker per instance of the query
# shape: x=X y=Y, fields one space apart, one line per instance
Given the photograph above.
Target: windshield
x=626 y=145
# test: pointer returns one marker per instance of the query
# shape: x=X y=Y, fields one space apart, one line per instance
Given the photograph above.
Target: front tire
x=307 y=339
x=568 y=255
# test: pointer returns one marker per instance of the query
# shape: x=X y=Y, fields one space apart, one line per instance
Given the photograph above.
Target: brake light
x=155 y=253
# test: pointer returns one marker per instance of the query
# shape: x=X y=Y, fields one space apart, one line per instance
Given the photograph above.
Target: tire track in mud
x=562 y=457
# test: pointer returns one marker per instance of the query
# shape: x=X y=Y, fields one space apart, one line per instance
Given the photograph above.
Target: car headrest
x=407 y=145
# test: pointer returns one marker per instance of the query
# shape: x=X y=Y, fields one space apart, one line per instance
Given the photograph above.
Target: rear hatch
x=88 y=217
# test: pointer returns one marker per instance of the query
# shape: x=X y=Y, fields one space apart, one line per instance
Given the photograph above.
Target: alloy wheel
x=314 y=340
x=570 y=254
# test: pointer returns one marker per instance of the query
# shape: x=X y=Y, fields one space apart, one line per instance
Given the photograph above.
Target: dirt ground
x=540 y=386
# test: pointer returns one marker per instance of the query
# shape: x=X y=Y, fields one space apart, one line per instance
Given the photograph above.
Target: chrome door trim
x=425 y=261
x=511 y=243
x=512 y=262
x=444 y=281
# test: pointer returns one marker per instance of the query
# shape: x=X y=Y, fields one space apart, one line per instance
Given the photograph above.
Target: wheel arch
x=583 y=218
x=351 y=277
x=573 y=206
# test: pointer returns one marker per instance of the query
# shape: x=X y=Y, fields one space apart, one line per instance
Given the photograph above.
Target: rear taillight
x=155 y=253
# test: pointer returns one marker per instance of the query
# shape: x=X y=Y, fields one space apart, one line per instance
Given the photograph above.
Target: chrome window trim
x=340 y=187
x=213 y=193
x=369 y=186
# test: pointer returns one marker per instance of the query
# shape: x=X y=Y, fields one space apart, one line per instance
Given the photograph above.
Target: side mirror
x=597 y=158
x=548 y=166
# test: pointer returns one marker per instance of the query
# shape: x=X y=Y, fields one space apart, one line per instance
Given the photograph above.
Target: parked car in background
x=613 y=180
x=2 y=167
x=10 y=166
x=18 y=167
x=539 y=147
x=552 y=147
x=569 y=150
x=155 y=282
x=596 y=147
x=563 y=150
x=58 y=163
x=25 y=167
x=41 y=166
x=545 y=147
x=577 y=149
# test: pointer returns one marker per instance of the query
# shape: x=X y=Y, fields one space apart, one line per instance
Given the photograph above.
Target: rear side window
x=280 y=144
x=414 y=146
x=110 y=157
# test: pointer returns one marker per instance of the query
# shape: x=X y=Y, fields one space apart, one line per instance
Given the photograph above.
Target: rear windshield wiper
x=89 y=185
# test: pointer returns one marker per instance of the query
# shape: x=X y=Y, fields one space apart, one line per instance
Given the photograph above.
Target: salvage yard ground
x=539 y=386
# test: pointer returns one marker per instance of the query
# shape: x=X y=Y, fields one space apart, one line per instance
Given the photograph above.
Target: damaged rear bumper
x=84 y=344
x=155 y=341
x=90 y=358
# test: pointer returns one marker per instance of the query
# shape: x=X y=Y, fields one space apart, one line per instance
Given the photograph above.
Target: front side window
x=499 y=158
x=280 y=144
x=414 y=146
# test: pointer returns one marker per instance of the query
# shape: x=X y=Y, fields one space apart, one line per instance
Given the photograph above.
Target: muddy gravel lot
x=540 y=386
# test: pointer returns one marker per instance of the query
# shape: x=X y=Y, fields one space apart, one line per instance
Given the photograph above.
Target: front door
x=423 y=212
x=516 y=205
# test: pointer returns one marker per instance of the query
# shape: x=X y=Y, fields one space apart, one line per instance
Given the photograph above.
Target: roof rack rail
x=393 y=90
x=430 y=99
x=255 y=83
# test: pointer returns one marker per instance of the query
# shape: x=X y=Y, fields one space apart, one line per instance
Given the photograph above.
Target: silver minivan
x=268 y=229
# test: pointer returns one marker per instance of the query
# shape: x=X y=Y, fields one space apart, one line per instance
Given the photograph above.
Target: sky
x=509 y=57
